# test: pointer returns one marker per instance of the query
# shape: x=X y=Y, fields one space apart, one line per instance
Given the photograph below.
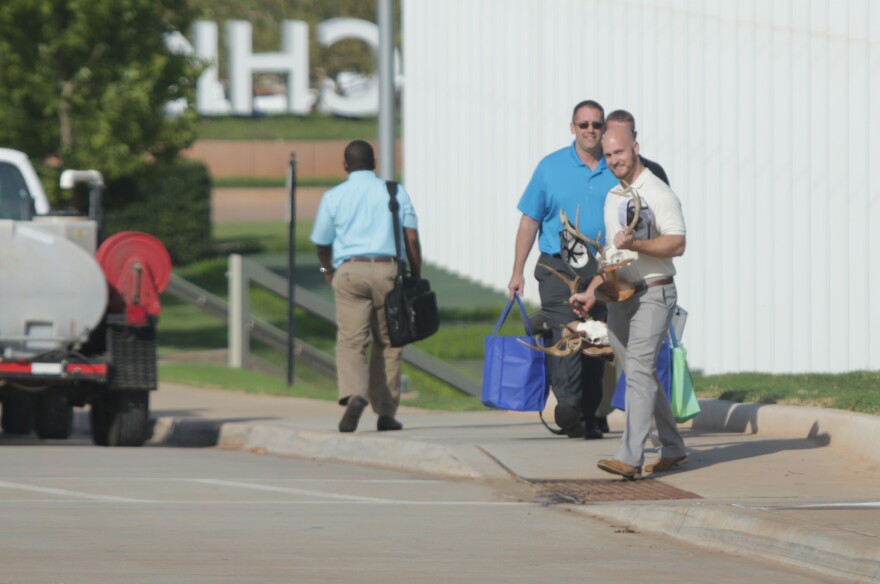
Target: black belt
x=658 y=282
x=371 y=259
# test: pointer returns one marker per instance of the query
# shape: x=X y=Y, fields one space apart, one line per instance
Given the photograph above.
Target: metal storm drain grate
x=592 y=491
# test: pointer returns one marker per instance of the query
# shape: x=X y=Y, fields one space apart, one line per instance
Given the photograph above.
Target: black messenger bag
x=411 y=306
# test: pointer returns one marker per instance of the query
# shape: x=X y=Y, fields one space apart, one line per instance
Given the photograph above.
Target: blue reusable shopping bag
x=664 y=372
x=514 y=376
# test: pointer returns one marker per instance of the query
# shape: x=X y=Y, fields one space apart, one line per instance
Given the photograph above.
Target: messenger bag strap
x=395 y=217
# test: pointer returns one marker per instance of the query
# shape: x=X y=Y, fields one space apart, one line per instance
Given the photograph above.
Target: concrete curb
x=385 y=452
x=847 y=430
x=272 y=438
x=729 y=528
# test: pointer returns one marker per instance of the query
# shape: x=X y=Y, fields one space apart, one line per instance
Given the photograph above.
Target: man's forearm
x=665 y=246
x=413 y=251
x=325 y=256
x=525 y=239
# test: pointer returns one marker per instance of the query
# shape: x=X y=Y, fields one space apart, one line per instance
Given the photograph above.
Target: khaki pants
x=360 y=289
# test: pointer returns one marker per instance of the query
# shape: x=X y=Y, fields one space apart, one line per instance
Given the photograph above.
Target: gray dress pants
x=636 y=327
x=577 y=379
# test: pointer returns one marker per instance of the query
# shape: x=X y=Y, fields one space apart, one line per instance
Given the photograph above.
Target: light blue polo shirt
x=355 y=219
x=563 y=181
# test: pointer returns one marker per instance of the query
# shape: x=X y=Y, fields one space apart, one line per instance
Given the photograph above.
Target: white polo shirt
x=661 y=215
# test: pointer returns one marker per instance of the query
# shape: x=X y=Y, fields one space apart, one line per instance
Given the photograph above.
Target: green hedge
x=172 y=202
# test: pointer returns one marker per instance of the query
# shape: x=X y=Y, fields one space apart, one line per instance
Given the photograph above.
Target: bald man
x=621 y=117
x=638 y=324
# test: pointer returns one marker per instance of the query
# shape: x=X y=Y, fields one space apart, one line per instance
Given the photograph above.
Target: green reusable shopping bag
x=684 y=402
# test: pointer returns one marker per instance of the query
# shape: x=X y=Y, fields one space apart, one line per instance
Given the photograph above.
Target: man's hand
x=325 y=257
x=623 y=240
x=516 y=285
x=582 y=303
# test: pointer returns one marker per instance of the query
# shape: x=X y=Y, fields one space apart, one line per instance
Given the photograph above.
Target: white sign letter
x=292 y=60
x=210 y=99
x=367 y=103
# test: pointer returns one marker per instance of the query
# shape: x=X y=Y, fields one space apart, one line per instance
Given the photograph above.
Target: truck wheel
x=17 y=416
x=121 y=418
x=53 y=417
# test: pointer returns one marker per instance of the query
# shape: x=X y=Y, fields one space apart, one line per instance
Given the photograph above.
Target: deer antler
x=572 y=343
x=572 y=284
x=630 y=191
x=576 y=232
x=568 y=345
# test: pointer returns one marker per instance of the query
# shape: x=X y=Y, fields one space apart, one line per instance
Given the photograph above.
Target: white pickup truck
x=77 y=321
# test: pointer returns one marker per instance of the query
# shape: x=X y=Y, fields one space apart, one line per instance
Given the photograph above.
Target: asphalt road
x=74 y=513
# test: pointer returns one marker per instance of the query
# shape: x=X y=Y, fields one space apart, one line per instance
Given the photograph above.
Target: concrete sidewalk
x=798 y=485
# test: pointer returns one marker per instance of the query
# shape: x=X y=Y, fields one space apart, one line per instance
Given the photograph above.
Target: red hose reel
x=137 y=267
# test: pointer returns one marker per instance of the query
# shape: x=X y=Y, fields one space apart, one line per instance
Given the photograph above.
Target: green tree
x=86 y=82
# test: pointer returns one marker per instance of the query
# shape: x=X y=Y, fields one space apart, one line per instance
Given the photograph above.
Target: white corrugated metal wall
x=762 y=112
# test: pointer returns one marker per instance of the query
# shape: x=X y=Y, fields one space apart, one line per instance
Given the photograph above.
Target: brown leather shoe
x=662 y=464
x=618 y=467
x=352 y=415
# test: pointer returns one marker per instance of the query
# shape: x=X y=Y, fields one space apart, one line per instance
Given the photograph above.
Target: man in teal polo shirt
x=354 y=234
x=576 y=180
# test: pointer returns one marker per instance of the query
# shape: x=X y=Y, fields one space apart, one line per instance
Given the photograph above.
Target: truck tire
x=17 y=416
x=121 y=418
x=53 y=417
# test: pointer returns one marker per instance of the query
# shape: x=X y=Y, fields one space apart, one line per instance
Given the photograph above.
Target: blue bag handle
x=507 y=311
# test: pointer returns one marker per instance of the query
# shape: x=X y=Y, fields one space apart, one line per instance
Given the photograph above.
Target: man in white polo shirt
x=638 y=324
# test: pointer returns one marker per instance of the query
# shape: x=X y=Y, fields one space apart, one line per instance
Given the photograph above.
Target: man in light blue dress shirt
x=354 y=235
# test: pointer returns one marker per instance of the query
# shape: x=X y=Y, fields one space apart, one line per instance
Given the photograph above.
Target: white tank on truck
x=77 y=320
x=54 y=293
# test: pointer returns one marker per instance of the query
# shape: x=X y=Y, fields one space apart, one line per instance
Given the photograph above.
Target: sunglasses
x=586 y=125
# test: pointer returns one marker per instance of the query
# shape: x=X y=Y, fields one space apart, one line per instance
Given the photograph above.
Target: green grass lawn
x=858 y=391
x=184 y=328
x=286 y=127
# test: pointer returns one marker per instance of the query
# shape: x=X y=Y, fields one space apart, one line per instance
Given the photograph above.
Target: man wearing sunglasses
x=574 y=179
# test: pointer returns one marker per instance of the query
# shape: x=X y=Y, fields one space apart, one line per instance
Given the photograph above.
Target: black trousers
x=576 y=380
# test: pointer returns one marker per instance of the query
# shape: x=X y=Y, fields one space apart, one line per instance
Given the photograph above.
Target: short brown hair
x=623 y=116
x=587 y=103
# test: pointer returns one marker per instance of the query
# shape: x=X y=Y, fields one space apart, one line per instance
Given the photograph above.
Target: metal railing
x=260 y=330
x=243 y=326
